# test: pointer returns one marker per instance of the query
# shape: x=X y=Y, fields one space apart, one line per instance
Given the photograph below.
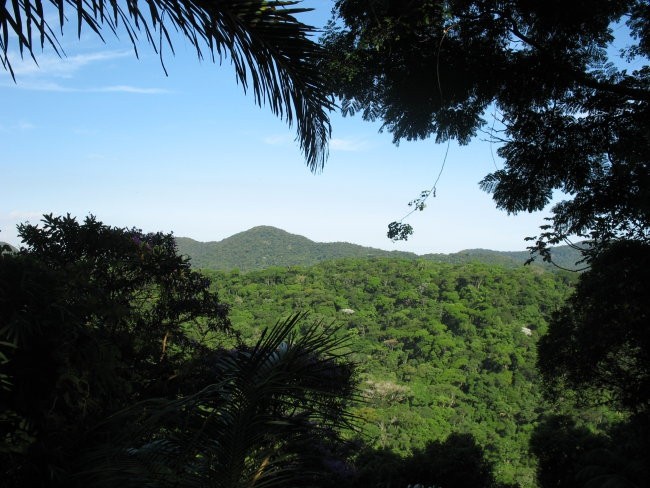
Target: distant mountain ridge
x=11 y=248
x=265 y=246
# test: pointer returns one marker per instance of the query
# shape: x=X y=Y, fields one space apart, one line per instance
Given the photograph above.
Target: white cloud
x=21 y=215
x=38 y=86
x=50 y=68
x=278 y=139
x=56 y=87
x=61 y=67
x=130 y=89
x=22 y=125
x=347 y=145
x=26 y=125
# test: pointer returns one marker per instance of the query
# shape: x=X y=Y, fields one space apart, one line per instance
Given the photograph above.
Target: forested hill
x=4 y=245
x=442 y=349
x=264 y=247
x=563 y=256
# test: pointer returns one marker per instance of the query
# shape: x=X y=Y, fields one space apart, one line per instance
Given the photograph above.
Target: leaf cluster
x=92 y=318
x=598 y=342
x=270 y=417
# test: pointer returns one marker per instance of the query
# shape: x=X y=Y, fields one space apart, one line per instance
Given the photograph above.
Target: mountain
x=563 y=256
x=4 y=246
x=264 y=247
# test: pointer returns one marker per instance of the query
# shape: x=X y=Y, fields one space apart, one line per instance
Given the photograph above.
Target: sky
x=102 y=132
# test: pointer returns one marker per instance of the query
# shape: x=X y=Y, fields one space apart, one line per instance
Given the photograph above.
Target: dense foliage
x=113 y=371
x=599 y=342
x=265 y=246
x=92 y=319
x=109 y=372
x=443 y=350
x=120 y=366
x=537 y=76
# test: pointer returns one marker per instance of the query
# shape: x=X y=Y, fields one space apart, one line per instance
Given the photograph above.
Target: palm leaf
x=270 y=49
x=247 y=429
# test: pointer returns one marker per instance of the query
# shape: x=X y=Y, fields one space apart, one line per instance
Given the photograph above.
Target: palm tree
x=271 y=50
x=270 y=418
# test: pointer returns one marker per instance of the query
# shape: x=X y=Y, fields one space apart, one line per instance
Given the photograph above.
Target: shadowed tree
x=571 y=454
x=92 y=319
x=456 y=462
x=270 y=418
x=270 y=49
x=599 y=341
x=536 y=77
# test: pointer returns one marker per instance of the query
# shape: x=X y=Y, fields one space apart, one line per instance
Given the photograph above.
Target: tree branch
x=581 y=77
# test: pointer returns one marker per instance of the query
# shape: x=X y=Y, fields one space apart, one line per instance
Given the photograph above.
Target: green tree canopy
x=271 y=50
x=537 y=76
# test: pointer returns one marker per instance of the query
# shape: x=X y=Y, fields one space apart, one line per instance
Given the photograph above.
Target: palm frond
x=249 y=428
x=270 y=49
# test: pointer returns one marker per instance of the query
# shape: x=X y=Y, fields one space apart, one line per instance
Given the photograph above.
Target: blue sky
x=102 y=132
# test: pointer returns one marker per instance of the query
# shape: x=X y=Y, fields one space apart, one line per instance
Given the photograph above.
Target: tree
x=456 y=462
x=571 y=454
x=117 y=366
x=270 y=49
x=270 y=418
x=598 y=342
x=536 y=76
x=92 y=319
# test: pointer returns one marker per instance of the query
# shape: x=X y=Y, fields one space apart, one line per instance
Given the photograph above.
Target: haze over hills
x=265 y=246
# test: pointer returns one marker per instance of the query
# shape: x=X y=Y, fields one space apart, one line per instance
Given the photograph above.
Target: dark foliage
x=599 y=341
x=456 y=462
x=536 y=76
x=573 y=455
x=113 y=372
x=92 y=318
x=270 y=417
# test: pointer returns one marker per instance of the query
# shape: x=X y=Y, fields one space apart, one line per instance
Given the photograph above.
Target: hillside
x=564 y=256
x=441 y=349
x=264 y=247
x=5 y=247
